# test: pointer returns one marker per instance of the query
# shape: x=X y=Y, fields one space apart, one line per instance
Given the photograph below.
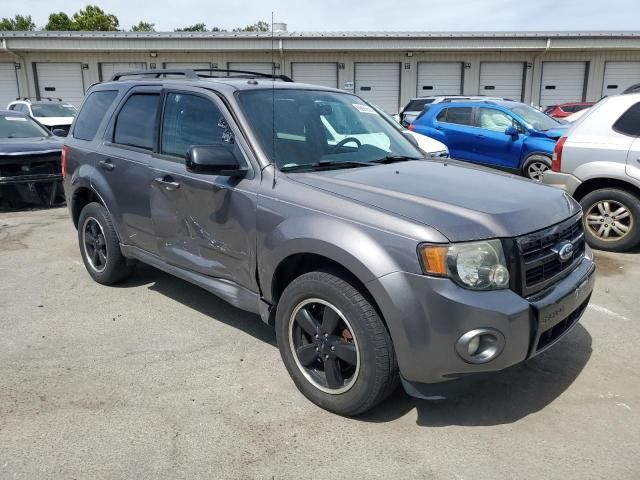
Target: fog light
x=480 y=345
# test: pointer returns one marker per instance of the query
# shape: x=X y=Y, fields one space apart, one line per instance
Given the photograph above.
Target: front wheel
x=611 y=219
x=535 y=167
x=334 y=344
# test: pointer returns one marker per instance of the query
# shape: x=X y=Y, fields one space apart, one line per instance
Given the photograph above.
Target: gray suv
x=374 y=264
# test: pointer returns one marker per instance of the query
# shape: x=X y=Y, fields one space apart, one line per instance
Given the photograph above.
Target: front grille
x=18 y=166
x=551 y=335
x=540 y=264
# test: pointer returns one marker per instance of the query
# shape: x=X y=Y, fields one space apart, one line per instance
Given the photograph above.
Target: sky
x=367 y=15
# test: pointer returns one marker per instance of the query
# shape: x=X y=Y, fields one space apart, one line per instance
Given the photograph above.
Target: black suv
x=306 y=206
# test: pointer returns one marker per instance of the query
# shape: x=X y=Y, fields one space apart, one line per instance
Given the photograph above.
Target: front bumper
x=564 y=181
x=426 y=316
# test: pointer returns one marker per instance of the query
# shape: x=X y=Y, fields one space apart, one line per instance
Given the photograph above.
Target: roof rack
x=632 y=89
x=193 y=74
x=51 y=99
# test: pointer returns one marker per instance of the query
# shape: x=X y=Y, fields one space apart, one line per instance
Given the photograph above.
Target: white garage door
x=61 y=80
x=618 y=76
x=8 y=84
x=109 y=69
x=325 y=74
x=379 y=83
x=502 y=79
x=439 y=78
x=259 y=67
x=562 y=82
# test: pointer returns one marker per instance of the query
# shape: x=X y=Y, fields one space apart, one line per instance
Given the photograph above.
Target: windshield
x=535 y=118
x=315 y=129
x=20 y=127
x=53 y=110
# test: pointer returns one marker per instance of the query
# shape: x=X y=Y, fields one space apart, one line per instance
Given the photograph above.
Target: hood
x=55 y=121
x=553 y=133
x=26 y=146
x=462 y=203
x=428 y=144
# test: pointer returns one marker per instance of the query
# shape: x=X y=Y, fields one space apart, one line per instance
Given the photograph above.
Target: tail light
x=63 y=160
x=556 y=159
x=411 y=127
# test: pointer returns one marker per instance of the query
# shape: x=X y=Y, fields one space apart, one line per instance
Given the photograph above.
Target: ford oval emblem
x=564 y=251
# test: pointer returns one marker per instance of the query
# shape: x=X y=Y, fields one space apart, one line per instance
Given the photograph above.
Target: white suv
x=53 y=113
x=597 y=161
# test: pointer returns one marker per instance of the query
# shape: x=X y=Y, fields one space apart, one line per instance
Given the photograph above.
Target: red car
x=566 y=109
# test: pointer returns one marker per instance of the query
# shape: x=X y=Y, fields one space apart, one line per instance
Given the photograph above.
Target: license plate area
x=557 y=318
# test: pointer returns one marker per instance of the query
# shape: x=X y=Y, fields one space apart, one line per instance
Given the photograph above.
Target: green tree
x=59 y=22
x=218 y=29
x=144 y=27
x=93 y=18
x=198 y=27
x=260 y=26
x=19 y=22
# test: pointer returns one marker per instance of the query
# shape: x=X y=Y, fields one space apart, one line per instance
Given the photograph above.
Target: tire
x=535 y=166
x=99 y=246
x=367 y=379
x=599 y=207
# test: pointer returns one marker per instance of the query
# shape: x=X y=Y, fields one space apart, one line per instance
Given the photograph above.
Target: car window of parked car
x=494 y=120
x=136 y=121
x=457 y=115
x=93 y=111
x=15 y=126
x=417 y=105
x=54 y=110
x=191 y=120
x=629 y=122
x=535 y=118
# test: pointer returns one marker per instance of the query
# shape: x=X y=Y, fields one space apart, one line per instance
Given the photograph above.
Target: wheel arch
x=594 y=184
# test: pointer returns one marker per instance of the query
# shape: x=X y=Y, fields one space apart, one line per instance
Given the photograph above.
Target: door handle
x=480 y=136
x=168 y=183
x=107 y=164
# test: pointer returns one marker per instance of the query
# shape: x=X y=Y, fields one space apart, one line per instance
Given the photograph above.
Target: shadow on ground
x=500 y=398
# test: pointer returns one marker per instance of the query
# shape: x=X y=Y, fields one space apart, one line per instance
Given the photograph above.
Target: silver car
x=598 y=163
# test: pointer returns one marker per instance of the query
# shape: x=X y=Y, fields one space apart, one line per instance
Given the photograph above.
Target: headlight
x=440 y=154
x=473 y=265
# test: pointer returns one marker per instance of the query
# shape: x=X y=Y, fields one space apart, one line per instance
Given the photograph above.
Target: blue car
x=501 y=134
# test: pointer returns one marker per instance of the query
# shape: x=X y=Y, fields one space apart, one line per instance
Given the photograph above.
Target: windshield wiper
x=325 y=164
x=394 y=159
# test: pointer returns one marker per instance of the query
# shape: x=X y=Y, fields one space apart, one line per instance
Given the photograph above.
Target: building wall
x=409 y=64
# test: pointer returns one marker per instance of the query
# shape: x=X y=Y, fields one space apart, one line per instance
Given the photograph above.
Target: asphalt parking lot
x=156 y=378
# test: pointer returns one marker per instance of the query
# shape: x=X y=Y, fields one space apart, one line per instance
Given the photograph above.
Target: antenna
x=273 y=104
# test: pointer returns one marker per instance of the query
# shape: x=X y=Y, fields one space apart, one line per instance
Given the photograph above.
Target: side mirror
x=511 y=131
x=214 y=160
x=59 y=132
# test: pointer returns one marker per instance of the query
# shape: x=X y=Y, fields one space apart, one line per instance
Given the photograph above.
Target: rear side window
x=416 y=105
x=457 y=115
x=92 y=113
x=136 y=121
x=629 y=122
x=192 y=120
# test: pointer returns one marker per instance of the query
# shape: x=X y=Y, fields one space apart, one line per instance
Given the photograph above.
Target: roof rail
x=51 y=99
x=632 y=89
x=193 y=74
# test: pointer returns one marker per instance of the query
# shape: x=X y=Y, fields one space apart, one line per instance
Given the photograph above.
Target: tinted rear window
x=416 y=105
x=137 y=120
x=629 y=122
x=459 y=116
x=93 y=111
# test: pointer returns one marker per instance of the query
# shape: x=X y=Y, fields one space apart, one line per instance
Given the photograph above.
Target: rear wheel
x=536 y=166
x=99 y=246
x=611 y=219
x=334 y=344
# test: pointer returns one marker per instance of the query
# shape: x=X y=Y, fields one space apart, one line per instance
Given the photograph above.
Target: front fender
x=366 y=252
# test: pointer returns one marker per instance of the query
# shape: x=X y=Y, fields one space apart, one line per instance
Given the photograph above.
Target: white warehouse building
x=386 y=68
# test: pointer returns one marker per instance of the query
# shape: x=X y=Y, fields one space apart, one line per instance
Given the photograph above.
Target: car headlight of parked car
x=440 y=154
x=473 y=265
